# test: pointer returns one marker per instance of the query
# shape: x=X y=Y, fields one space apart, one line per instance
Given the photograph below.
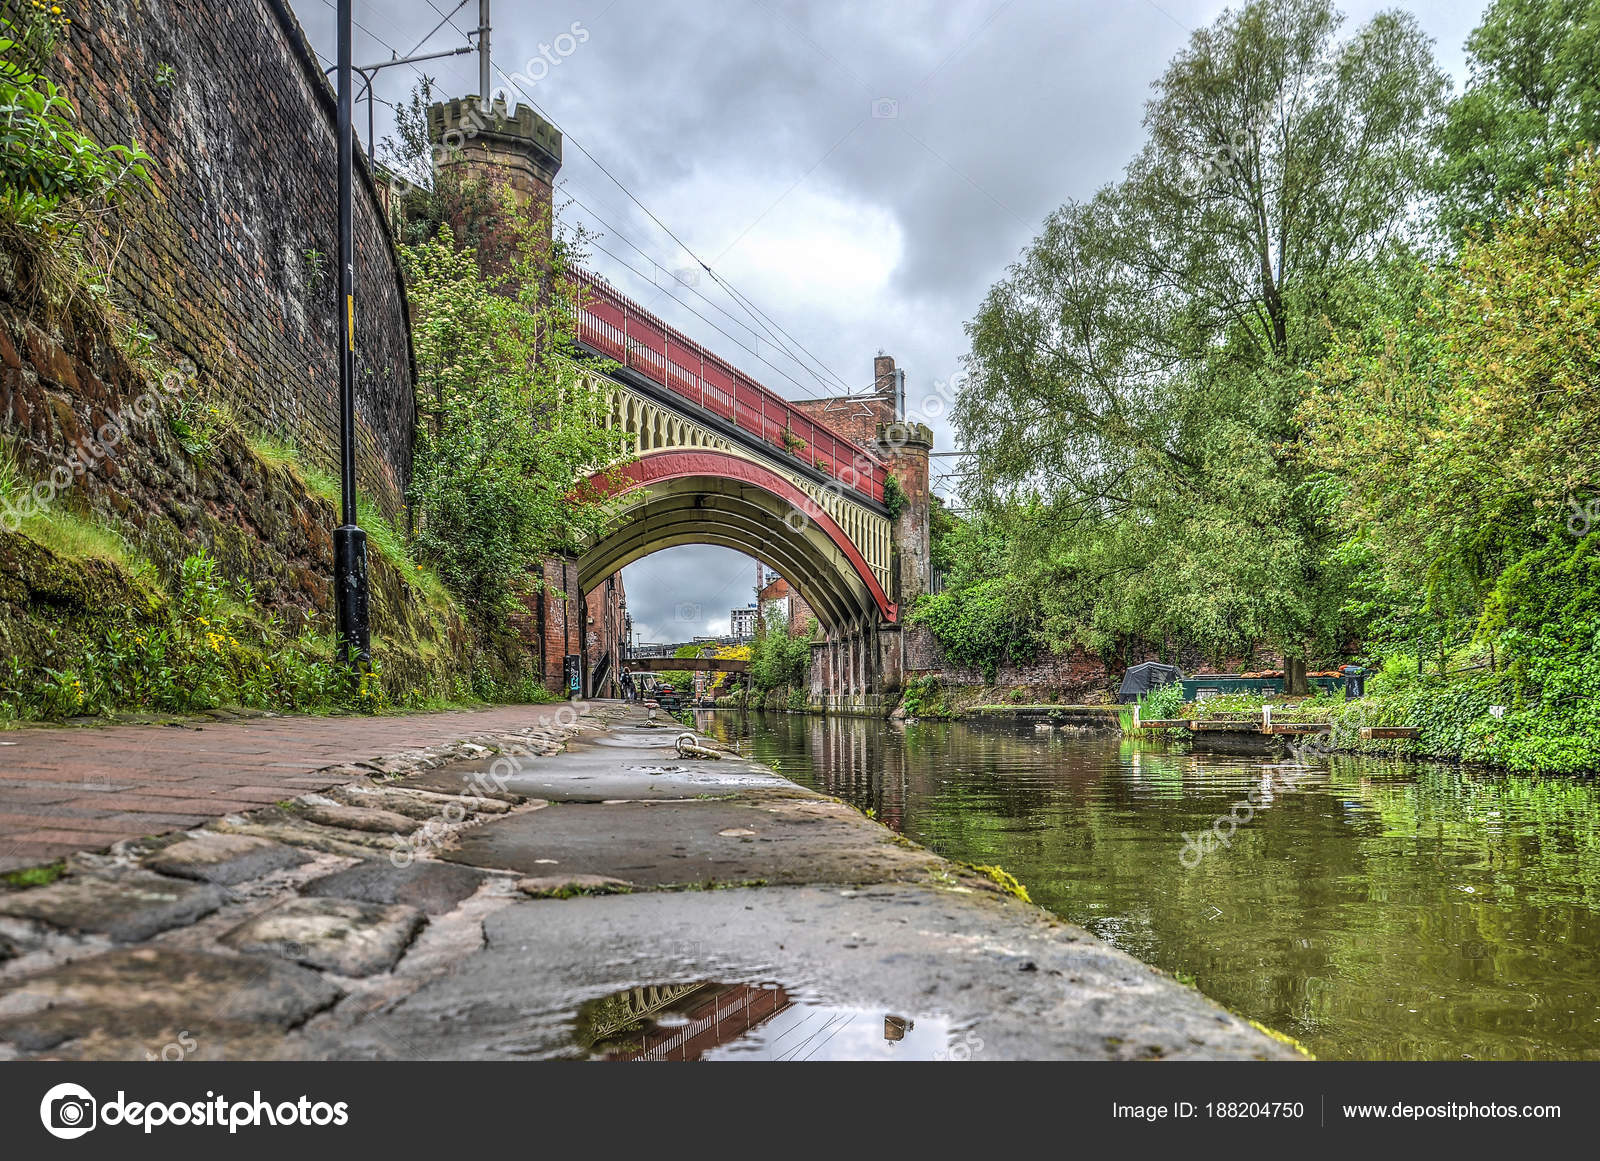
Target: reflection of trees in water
x=1374 y=889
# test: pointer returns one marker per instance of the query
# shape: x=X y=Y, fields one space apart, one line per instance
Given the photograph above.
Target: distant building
x=779 y=597
x=605 y=639
x=742 y=623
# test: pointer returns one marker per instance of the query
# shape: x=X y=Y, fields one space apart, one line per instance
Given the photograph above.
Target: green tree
x=1136 y=376
x=1532 y=99
x=509 y=421
x=1466 y=431
x=777 y=658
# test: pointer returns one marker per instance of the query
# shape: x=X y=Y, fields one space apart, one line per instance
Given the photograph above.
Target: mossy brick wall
x=1080 y=675
x=230 y=261
x=58 y=388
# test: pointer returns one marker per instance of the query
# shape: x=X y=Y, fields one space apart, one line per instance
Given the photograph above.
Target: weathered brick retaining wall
x=1083 y=676
x=231 y=261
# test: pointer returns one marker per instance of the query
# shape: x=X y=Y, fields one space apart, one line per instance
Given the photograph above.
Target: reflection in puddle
x=711 y=1021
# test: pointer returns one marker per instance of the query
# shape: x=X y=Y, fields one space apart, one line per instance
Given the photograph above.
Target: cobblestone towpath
x=520 y=883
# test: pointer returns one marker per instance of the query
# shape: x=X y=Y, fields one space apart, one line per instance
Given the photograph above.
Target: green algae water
x=1372 y=911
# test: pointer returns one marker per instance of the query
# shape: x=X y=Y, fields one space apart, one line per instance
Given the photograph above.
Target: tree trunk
x=1295 y=676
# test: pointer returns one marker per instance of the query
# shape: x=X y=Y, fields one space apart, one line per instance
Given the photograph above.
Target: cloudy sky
x=862 y=173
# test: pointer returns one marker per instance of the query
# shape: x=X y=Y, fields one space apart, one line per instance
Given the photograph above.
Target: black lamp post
x=350 y=595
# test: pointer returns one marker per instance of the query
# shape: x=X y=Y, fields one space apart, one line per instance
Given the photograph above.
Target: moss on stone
x=1003 y=879
x=40 y=876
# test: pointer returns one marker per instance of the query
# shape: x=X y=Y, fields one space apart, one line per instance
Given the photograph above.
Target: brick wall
x=857 y=418
x=1079 y=675
x=603 y=631
x=231 y=261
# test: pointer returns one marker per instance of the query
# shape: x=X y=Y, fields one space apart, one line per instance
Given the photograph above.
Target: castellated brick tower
x=516 y=150
x=520 y=151
x=906 y=445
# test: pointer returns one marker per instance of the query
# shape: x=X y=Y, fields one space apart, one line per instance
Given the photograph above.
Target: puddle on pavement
x=715 y=1021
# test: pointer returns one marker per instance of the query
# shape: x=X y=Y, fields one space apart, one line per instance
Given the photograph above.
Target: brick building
x=605 y=637
x=779 y=596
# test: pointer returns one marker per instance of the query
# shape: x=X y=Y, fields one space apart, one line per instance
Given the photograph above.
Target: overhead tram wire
x=749 y=305
x=442 y=22
x=684 y=246
x=744 y=303
x=668 y=291
x=736 y=342
x=643 y=253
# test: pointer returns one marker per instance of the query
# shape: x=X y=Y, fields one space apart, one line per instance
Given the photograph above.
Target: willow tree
x=1137 y=373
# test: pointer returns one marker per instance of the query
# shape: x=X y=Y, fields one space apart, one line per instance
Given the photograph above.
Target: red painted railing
x=620 y=328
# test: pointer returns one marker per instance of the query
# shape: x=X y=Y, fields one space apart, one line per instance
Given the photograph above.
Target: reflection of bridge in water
x=623 y=1025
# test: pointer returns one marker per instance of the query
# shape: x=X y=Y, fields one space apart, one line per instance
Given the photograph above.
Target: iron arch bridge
x=720 y=459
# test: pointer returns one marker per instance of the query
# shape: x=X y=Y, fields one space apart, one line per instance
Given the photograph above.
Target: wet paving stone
x=327 y=812
x=157 y=993
x=223 y=858
x=773 y=839
x=977 y=976
x=346 y=936
x=417 y=803
x=434 y=888
x=126 y=905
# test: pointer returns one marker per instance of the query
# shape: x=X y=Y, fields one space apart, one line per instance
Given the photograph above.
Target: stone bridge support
x=857 y=669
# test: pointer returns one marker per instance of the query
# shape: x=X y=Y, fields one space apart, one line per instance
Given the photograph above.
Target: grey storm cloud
x=687 y=592
x=862 y=173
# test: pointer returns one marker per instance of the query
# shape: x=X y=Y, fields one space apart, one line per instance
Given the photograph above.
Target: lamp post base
x=350 y=595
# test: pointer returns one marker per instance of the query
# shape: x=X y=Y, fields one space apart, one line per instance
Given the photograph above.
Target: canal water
x=1373 y=911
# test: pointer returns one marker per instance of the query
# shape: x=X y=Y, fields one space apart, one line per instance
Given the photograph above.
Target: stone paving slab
x=127 y=906
x=1023 y=985
x=326 y=812
x=415 y=803
x=154 y=995
x=283 y=827
x=223 y=858
x=434 y=888
x=344 y=936
x=776 y=839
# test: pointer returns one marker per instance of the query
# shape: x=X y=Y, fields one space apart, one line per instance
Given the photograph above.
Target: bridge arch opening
x=701 y=496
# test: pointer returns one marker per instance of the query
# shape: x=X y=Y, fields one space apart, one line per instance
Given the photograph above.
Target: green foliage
x=1238 y=409
x=1161 y=703
x=1136 y=375
x=925 y=697
x=428 y=198
x=894 y=497
x=57 y=185
x=509 y=423
x=1463 y=434
x=41 y=876
x=1531 y=101
x=202 y=648
x=777 y=659
x=383 y=538
x=984 y=625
